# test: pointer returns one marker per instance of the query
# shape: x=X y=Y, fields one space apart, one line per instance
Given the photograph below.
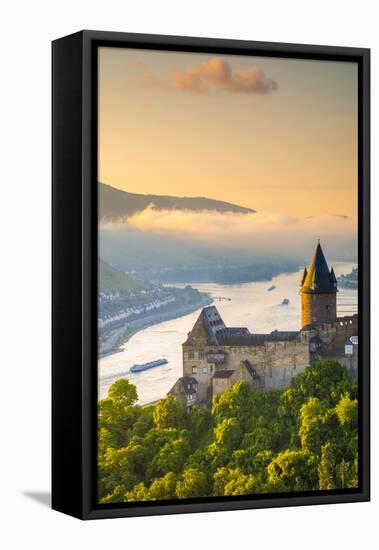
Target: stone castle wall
x=334 y=337
x=276 y=363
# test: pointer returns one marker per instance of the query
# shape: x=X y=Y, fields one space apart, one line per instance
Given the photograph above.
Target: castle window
x=194 y=370
x=191 y=355
x=201 y=355
x=327 y=306
x=205 y=370
x=211 y=368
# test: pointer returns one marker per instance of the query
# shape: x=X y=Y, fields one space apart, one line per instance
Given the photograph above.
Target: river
x=251 y=305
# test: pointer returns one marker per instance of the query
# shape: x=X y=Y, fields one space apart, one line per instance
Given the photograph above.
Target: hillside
x=113 y=280
x=115 y=204
x=350 y=280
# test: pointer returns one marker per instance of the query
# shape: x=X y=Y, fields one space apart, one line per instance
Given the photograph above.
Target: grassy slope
x=113 y=280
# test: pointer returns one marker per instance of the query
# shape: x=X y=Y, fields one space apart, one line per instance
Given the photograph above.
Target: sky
x=271 y=134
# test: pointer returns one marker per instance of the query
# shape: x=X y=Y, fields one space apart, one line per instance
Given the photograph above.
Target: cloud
x=150 y=80
x=215 y=74
x=212 y=224
x=265 y=232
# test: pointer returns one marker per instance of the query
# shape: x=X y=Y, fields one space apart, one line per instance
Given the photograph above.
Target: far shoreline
x=184 y=310
x=155 y=320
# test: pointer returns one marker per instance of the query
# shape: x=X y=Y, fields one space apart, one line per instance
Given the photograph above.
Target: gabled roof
x=255 y=339
x=318 y=278
x=210 y=329
x=206 y=327
x=223 y=374
x=231 y=333
x=185 y=384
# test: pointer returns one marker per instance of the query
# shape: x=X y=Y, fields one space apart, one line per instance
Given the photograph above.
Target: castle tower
x=318 y=291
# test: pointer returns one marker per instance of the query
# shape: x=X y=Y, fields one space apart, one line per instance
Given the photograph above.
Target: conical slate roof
x=318 y=278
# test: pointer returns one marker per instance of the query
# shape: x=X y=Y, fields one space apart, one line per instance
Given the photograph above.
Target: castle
x=216 y=356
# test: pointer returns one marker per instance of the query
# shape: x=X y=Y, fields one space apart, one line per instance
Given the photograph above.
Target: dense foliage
x=302 y=438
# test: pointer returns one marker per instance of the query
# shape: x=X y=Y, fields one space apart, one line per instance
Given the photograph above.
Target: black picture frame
x=74 y=271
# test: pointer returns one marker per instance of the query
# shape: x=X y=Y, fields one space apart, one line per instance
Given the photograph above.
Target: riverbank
x=250 y=305
x=122 y=335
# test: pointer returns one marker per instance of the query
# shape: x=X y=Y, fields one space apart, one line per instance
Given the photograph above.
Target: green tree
x=227 y=437
x=326 y=468
x=343 y=477
x=234 y=402
x=327 y=380
x=233 y=482
x=293 y=471
x=259 y=439
x=116 y=413
x=123 y=392
x=199 y=425
x=144 y=422
x=193 y=483
x=170 y=458
x=139 y=493
x=168 y=414
x=316 y=424
x=118 y=420
x=163 y=488
x=347 y=412
x=116 y=469
x=354 y=473
x=201 y=460
x=117 y=495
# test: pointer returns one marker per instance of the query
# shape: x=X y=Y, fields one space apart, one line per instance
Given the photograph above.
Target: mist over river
x=251 y=305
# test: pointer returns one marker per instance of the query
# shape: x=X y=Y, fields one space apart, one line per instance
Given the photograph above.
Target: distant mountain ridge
x=115 y=204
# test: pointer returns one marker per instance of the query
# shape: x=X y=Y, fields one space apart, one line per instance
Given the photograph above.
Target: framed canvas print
x=210 y=275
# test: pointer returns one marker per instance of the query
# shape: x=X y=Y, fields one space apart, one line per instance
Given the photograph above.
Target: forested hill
x=113 y=280
x=115 y=204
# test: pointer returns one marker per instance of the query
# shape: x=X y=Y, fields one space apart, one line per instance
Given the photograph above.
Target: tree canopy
x=303 y=438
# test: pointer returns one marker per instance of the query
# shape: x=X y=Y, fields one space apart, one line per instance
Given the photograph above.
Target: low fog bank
x=167 y=238
x=228 y=250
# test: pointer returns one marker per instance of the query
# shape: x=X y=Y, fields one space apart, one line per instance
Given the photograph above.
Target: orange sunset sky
x=275 y=135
